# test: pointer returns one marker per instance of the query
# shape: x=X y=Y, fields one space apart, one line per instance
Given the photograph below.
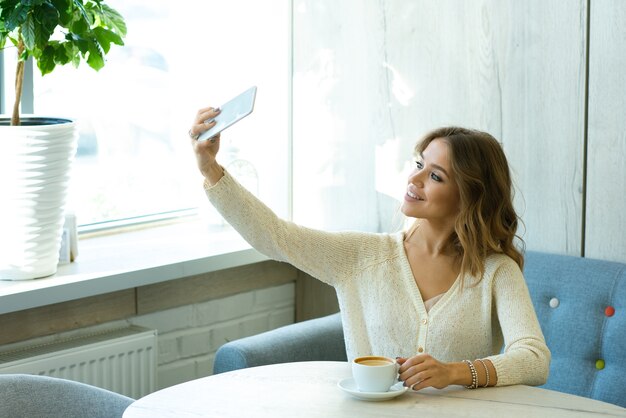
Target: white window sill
x=131 y=259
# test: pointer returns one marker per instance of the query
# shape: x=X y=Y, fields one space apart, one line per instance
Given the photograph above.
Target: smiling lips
x=412 y=195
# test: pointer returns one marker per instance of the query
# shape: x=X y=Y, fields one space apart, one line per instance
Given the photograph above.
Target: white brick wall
x=190 y=335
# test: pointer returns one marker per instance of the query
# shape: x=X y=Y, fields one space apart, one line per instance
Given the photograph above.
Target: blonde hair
x=487 y=222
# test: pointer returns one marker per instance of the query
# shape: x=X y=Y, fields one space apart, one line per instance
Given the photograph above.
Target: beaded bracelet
x=474 y=384
x=486 y=372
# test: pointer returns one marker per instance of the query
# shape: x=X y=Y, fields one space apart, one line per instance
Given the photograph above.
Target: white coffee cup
x=374 y=373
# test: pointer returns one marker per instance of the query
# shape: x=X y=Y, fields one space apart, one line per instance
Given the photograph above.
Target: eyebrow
x=437 y=166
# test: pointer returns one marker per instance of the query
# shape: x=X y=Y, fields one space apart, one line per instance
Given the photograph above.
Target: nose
x=417 y=178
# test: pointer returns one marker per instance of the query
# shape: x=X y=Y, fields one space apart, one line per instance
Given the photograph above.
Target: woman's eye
x=435 y=177
x=419 y=165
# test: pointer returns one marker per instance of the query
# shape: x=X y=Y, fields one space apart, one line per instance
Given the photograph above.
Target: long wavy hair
x=487 y=222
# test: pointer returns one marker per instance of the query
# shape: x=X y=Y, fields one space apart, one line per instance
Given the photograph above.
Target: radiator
x=122 y=360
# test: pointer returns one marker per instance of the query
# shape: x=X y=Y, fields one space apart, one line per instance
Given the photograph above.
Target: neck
x=430 y=238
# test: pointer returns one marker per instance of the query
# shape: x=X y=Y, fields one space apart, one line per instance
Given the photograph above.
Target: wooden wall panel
x=65 y=316
x=516 y=70
x=314 y=298
x=543 y=80
x=213 y=285
x=606 y=151
x=371 y=77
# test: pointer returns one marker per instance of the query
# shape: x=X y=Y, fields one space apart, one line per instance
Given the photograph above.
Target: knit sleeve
x=525 y=358
x=327 y=256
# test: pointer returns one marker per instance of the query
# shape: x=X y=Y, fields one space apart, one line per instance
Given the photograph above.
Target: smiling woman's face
x=432 y=192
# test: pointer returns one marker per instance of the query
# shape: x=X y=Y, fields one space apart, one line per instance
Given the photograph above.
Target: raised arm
x=324 y=255
x=328 y=256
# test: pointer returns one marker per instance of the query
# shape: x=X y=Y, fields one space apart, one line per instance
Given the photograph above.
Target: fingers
x=202 y=113
x=206 y=114
x=420 y=384
x=413 y=361
x=419 y=380
x=420 y=371
x=411 y=367
x=199 y=128
x=203 y=122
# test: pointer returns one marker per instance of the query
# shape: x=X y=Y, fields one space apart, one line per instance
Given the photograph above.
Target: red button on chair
x=609 y=311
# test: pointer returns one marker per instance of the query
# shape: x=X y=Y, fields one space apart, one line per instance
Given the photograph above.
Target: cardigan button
x=600 y=364
x=609 y=311
x=420 y=349
x=424 y=321
x=554 y=302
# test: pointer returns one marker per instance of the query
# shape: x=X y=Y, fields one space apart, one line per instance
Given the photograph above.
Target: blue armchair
x=319 y=339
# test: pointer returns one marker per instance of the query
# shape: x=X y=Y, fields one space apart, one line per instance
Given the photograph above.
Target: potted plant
x=36 y=152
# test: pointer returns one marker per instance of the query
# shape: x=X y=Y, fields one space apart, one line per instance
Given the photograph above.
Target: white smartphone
x=231 y=112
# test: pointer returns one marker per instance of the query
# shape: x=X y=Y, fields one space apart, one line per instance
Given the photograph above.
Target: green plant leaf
x=106 y=38
x=81 y=9
x=113 y=19
x=64 y=9
x=102 y=38
x=79 y=42
x=48 y=17
x=17 y=16
x=73 y=53
x=95 y=59
x=6 y=8
x=45 y=61
x=61 y=56
x=80 y=26
x=28 y=31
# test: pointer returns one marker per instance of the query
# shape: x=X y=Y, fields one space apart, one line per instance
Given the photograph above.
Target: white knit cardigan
x=381 y=306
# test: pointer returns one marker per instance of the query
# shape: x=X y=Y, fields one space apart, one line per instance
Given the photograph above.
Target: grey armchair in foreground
x=32 y=396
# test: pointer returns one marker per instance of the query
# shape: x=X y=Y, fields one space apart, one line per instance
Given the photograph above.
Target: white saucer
x=349 y=386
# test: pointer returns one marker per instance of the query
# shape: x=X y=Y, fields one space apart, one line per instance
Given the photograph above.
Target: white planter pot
x=35 y=161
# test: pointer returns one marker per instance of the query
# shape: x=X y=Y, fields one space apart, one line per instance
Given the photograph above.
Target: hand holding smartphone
x=231 y=112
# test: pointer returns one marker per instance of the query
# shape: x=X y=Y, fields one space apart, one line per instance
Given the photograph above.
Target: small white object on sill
x=69 y=240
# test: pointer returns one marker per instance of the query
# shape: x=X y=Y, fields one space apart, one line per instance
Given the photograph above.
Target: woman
x=443 y=297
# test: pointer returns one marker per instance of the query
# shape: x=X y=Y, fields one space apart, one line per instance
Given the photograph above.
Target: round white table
x=310 y=389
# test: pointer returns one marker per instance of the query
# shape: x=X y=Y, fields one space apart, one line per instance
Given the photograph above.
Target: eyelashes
x=420 y=165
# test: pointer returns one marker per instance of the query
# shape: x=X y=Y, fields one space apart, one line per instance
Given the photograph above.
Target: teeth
x=414 y=196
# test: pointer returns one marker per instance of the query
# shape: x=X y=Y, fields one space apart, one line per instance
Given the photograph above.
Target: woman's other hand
x=206 y=151
x=423 y=370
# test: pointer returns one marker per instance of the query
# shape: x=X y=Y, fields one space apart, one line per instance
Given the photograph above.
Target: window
x=134 y=157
